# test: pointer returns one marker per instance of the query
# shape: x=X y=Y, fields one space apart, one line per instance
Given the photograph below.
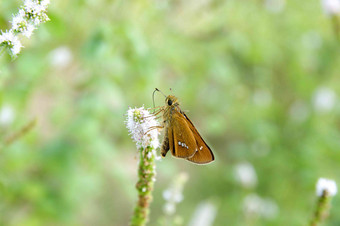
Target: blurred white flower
x=173 y=194
x=204 y=214
x=328 y=185
x=331 y=7
x=24 y=22
x=9 y=39
x=6 y=115
x=29 y=30
x=245 y=174
x=169 y=208
x=262 y=98
x=298 y=111
x=255 y=205
x=60 y=57
x=139 y=121
x=275 y=6
x=324 y=99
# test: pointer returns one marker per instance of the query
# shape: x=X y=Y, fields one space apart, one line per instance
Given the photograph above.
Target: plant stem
x=322 y=209
x=146 y=174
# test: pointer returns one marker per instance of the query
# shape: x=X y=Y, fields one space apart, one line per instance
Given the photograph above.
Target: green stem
x=322 y=209
x=146 y=174
x=336 y=27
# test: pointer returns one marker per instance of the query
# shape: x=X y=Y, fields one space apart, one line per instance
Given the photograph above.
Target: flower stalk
x=142 y=126
x=325 y=189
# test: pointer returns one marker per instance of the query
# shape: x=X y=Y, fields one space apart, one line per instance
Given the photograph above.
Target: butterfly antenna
x=159 y=91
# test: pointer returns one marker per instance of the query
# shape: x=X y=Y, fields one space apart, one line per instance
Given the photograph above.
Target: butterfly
x=181 y=137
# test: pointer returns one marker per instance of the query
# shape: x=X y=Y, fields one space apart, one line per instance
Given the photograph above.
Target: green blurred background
x=259 y=79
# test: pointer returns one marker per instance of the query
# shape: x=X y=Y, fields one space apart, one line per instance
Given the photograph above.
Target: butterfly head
x=171 y=101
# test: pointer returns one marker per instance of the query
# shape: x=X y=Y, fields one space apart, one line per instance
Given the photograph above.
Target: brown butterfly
x=181 y=136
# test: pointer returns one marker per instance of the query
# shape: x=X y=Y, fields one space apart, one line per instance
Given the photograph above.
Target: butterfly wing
x=203 y=152
x=181 y=138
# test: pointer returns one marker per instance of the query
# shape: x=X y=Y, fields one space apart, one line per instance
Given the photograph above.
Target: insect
x=180 y=135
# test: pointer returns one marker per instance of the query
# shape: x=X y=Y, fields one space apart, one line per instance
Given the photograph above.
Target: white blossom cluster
x=245 y=174
x=254 y=205
x=173 y=194
x=30 y=15
x=139 y=123
x=327 y=185
x=331 y=7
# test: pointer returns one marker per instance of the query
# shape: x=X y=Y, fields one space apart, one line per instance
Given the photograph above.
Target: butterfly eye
x=169 y=102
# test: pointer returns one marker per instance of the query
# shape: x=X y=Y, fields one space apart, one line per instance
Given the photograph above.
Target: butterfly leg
x=154 y=127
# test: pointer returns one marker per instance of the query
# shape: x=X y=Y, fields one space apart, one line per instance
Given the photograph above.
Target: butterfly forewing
x=203 y=153
x=184 y=144
x=181 y=136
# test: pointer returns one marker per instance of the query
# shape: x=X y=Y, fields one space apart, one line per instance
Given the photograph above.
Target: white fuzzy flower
x=139 y=122
x=29 y=30
x=17 y=21
x=16 y=47
x=61 y=57
x=173 y=194
x=245 y=174
x=324 y=99
x=255 y=205
x=45 y=3
x=331 y=7
x=6 y=115
x=327 y=185
x=169 y=208
x=24 y=22
x=204 y=214
x=8 y=38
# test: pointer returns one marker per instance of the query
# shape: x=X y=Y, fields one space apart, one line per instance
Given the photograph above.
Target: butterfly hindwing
x=203 y=152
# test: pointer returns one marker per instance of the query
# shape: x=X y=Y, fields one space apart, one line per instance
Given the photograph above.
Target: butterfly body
x=181 y=136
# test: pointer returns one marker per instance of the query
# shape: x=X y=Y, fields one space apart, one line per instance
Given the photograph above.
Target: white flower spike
x=327 y=185
x=139 y=121
x=24 y=22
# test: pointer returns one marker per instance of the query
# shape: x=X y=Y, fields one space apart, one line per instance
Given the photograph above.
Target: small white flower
x=324 y=99
x=255 y=205
x=139 y=121
x=29 y=30
x=204 y=215
x=173 y=194
x=6 y=115
x=169 y=208
x=45 y=3
x=60 y=57
x=324 y=184
x=17 y=21
x=24 y=22
x=7 y=37
x=245 y=174
x=11 y=41
x=149 y=155
x=16 y=47
x=331 y=7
